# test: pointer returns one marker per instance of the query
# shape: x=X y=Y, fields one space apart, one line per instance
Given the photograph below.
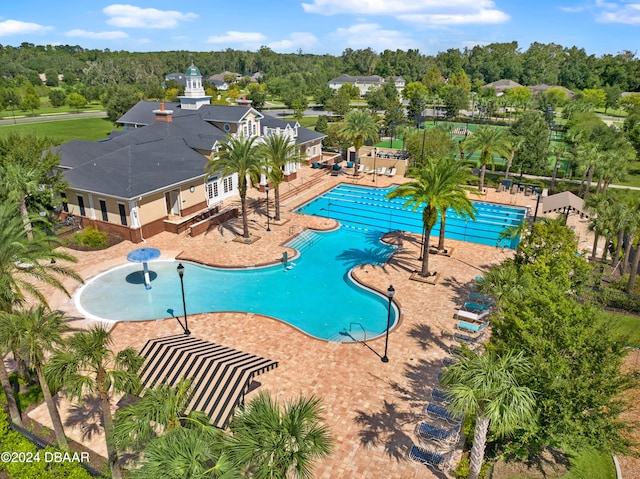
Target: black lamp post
x=266 y=188
x=390 y=293
x=180 y=269
x=375 y=156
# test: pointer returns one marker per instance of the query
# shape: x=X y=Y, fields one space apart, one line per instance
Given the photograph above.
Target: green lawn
x=91 y=129
x=627 y=324
x=590 y=464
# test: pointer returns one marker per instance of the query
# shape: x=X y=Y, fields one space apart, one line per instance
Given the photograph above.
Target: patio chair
x=440 y=396
x=367 y=170
x=432 y=459
x=480 y=298
x=431 y=432
x=360 y=168
x=469 y=340
x=471 y=306
x=477 y=316
x=471 y=327
x=315 y=165
x=350 y=164
x=391 y=172
x=383 y=170
x=436 y=411
x=336 y=167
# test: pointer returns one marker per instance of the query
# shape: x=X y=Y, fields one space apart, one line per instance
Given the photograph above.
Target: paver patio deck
x=371 y=407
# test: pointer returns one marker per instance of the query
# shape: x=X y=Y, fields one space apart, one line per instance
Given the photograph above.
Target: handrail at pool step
x=303 y=240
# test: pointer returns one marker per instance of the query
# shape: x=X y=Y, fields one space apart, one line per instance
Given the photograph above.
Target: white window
x=212 y=188
x=255 y=129
x=227 y=184
x=244 y=130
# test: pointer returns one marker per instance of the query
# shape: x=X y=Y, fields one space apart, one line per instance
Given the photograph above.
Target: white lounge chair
x=473 y=316
x=366 y=170
x=383 y=170
x=360 y=168
x=391 y=172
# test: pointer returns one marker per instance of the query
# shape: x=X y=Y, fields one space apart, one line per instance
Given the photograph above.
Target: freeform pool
x=316 y=295
x=368 y=209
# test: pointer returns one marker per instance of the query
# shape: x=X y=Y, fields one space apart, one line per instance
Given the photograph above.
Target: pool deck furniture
x=360 y=168
x=471 y=327
x=471 y=341
x=432 y=459
x=391 y=172
x=315 y=165
x=431 y=432
x=471 y=306
x=477 y=316
x=440 y=396
x=367 y=170
x=382 y=171
x=436 y=411
x=480 y=298
x=350 y=164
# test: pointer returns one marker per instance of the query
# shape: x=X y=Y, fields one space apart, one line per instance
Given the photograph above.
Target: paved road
x=65 y=116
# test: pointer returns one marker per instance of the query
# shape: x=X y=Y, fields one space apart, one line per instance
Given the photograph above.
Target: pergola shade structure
x=566 y=201
x=220 y=376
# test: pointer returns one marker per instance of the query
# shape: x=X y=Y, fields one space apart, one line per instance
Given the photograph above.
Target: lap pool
x=368 y=209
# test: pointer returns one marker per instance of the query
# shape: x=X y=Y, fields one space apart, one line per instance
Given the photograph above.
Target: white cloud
x=619 y=12
x=297 y=40
x=16 y=27
x=129 y=16
x=244 y=39
x=575 y=9
x=97 y=35
x=436 y=12
x=363 y=35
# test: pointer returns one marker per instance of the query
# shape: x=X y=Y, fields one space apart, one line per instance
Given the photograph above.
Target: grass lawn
x=91 y=129
x=590 y=464
x=628 y=324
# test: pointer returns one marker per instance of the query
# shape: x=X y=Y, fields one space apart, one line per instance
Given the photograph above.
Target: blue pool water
x=315 y=295
x=368 y=209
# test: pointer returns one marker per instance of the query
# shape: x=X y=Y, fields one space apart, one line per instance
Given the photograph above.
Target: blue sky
x=321 y=26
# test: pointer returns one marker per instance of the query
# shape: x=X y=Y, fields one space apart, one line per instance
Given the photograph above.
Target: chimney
x=162 y=115
x=244 y=102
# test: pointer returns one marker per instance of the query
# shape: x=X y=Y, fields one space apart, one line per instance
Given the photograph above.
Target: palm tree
x=490 y=142
x=359 y=126
x=241 y=157
x=514 y=142
x=18 y=182
x=588 y=156
x=435 y=187
x=279 y=443
x=600 y=222
x=488 y=387
x=187 y=453
x=277 y=150
x=36 y=331
x=459 y=203
x=161 y=409
x=87 y=364
x=504 y=282
x=24 y=266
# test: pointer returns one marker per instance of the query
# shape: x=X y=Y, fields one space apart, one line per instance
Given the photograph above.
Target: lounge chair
x=431 y=432
x=378 y=171
x=367 y=170
x=391 y=172
x=471 y=341
x=336 y=167
x=480 y=298
x=432 y=459
x=315 y=165
x=436 y=411
x=350 y=164
x=471 y=306
x=440 y=396
x=360 y=168
x=383 y=170
x=477 y=316
x=471 y=327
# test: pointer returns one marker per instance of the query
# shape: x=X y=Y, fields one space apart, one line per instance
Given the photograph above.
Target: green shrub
x=462 y=470
x=91 y=238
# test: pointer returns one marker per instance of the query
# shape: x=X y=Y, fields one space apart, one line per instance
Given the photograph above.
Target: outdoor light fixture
x=266 y=188
x=375 y=156
x=390 y=293
x=180 y=269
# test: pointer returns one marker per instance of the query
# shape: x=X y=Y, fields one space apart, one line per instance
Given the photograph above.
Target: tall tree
x=277 y=150
x=239 y=156
x=435 y=186
x=490 y=142
x=88 y=365
x=279 y=442
x=359 y=126
x=459 y=202
x=35 y=332
x=489 y=386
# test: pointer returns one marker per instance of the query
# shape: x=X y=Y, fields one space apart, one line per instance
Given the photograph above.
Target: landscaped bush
x=14 y=442
x=91 y=238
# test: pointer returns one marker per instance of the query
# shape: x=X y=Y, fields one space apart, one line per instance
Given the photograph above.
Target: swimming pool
x=315 y=296
x=367 y=209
